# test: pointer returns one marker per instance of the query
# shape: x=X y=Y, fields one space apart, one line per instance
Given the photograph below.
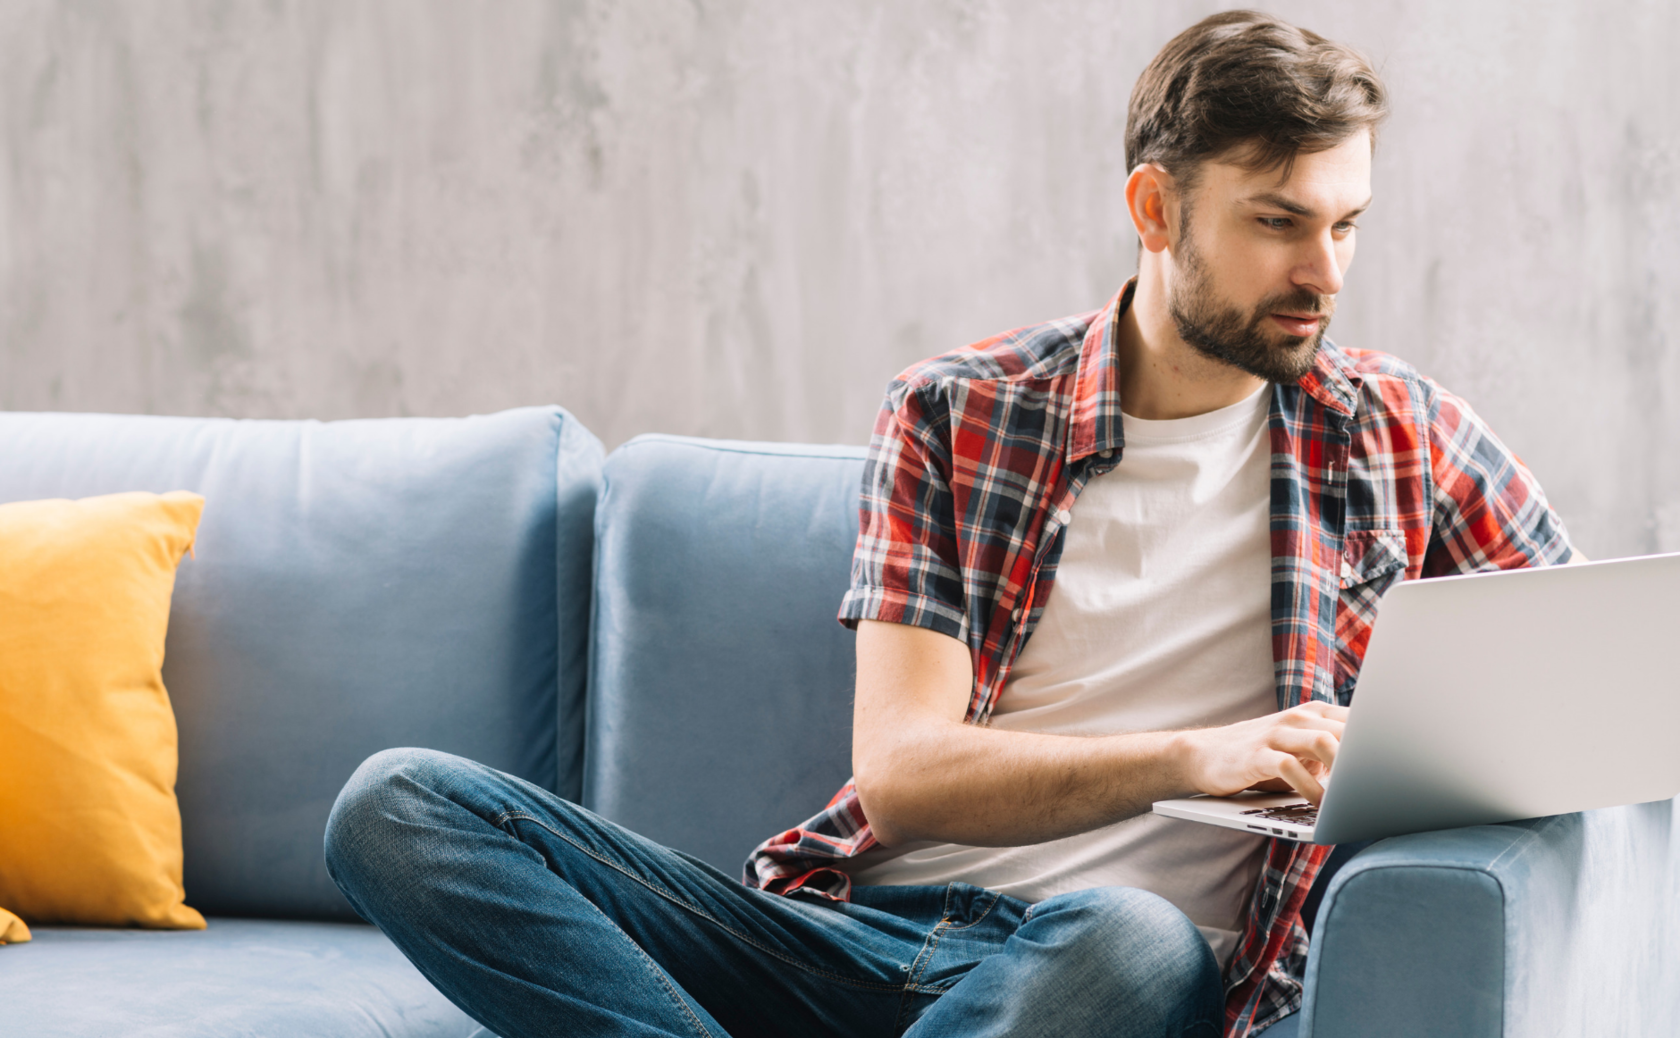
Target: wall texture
x=741 y=217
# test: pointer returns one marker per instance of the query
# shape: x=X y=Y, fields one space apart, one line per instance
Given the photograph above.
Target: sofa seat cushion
x=241 y=977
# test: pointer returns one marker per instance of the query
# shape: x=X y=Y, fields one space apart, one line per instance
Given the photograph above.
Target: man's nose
x=1319 y=269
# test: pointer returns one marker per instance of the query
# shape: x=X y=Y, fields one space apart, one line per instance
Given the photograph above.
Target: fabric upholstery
x=720 y=682
x=89 y=829
x=358 y=585
x=1443 y=965
x=241 y=977
x=1566 y=925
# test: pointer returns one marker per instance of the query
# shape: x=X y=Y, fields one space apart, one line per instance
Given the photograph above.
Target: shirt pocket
x=1372 y=562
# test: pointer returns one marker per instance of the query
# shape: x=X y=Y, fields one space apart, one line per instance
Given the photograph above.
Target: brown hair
x=1246 y=79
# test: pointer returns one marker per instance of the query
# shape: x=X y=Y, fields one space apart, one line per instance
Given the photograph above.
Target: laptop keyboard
x=1300 y=814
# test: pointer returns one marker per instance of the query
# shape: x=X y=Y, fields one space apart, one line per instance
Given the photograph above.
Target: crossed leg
x=538 y=917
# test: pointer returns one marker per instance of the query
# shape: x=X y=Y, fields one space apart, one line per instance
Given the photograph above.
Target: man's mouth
x=1300 y=325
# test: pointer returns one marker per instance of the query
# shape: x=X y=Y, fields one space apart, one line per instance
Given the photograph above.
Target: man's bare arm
x=922 y=774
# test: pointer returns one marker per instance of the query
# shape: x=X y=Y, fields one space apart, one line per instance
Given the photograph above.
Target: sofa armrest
x=1552 y=926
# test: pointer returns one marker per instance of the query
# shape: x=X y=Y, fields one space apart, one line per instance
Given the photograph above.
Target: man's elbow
x=878 y=796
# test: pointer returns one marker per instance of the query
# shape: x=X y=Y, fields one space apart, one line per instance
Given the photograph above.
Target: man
x=1108 y=560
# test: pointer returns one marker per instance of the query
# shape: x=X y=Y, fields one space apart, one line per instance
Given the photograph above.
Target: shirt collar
x=1096 y=424
x=1333 y=380
x=1096 y=387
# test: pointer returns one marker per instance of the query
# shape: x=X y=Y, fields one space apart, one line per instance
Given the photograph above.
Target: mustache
x=1300 y=301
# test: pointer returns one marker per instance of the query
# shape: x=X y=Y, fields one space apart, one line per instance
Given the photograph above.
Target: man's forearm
x=960 y=783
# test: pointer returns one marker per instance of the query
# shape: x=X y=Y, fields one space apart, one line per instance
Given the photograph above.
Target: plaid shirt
x=1378 y=475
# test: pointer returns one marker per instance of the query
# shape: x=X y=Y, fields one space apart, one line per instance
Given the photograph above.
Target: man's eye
x=1277 y=223
x=1345 y=226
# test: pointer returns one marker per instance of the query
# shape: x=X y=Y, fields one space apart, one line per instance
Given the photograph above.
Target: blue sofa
x=645 y=632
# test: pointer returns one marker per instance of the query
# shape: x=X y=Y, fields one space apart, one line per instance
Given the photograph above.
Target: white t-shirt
x=1160 y=618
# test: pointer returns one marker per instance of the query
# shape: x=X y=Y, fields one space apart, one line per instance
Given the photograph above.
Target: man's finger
x=1310 y=721
x=1305 y=742
x=1295 y=773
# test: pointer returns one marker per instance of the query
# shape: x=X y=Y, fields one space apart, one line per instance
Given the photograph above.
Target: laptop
x=1492 y=697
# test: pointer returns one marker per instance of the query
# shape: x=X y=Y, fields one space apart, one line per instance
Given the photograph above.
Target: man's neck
x=1161 y=375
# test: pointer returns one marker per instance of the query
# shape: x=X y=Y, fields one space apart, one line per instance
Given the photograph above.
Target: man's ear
x=1149 y=192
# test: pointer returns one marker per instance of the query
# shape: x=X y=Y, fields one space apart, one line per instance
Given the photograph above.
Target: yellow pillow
x=89 y=829
x=12 y=930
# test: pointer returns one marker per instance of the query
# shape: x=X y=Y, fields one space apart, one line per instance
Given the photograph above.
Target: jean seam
x=913 y=986
x=925 y=956
x=507 y=816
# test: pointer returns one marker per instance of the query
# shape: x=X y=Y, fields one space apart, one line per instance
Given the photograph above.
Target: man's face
x=1260 y=258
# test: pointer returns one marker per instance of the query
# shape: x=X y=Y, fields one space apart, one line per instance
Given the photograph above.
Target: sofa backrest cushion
x=358 y=585
x=720 y=681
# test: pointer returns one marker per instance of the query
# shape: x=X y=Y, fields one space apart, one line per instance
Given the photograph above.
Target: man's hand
x=1294 y=749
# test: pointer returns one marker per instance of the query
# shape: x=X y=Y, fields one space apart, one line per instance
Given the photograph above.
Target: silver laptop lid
x=1497 y=696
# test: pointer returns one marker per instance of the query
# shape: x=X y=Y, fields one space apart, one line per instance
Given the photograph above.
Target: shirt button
x=1063 y=515
x=1105 y=454
x=1016 y=615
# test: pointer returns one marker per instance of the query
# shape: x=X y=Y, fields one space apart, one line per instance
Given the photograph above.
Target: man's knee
x=1137 y=944
x=379 y=798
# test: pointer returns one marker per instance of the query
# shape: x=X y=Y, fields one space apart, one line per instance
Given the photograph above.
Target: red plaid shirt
x=1378 y=475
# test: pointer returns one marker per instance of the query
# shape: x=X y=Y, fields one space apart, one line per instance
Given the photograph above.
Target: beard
x=1241 y=340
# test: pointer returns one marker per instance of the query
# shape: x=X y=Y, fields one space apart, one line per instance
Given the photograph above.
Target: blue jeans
x=537 y=917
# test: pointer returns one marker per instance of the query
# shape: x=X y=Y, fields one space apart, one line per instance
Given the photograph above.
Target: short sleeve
x=1489 y=510
x=905 y=567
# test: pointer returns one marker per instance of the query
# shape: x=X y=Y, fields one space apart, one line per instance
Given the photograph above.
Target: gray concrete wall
x=740 y=218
